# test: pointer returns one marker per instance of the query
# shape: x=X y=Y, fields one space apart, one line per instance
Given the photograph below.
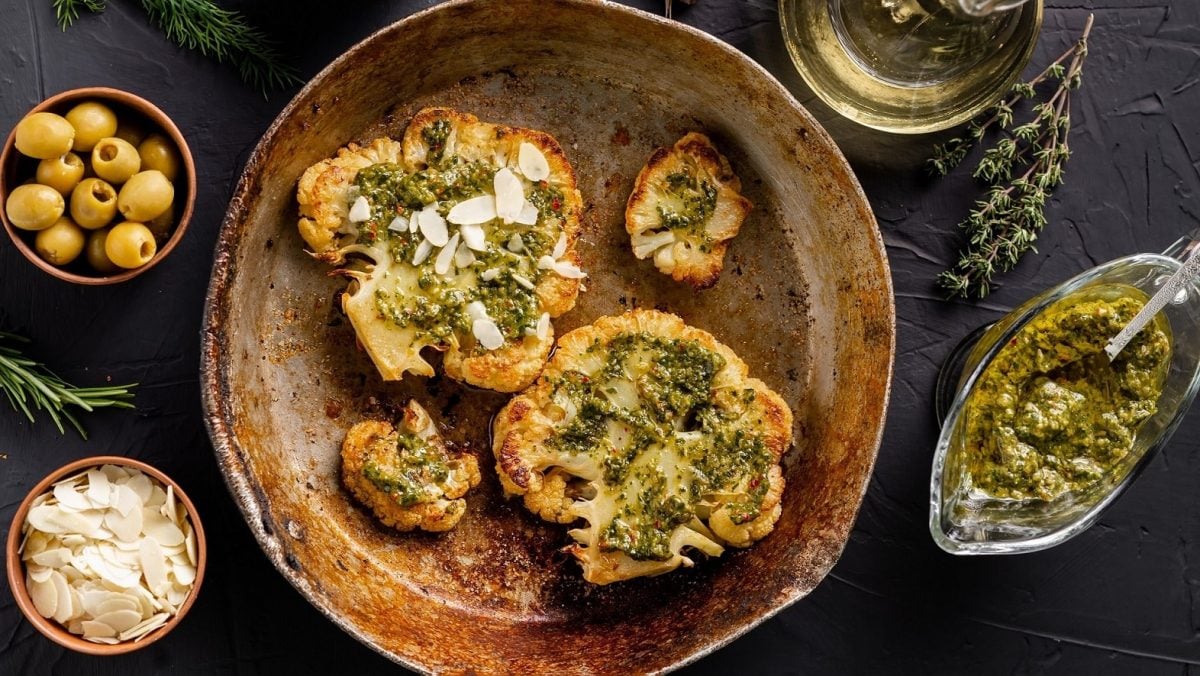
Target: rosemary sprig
x=26 y=382
x=1005 y=225
x=67 y=11
x=206 y=27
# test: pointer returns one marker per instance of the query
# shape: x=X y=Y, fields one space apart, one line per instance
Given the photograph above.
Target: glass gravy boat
x=963 y=520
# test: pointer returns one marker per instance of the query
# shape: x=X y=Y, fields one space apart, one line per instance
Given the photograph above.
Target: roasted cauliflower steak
x=407 y=476
x=459 y=237
x=651 y=437
x=685 y=207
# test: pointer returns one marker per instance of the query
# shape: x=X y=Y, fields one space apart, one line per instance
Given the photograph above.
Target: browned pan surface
x=805 y=299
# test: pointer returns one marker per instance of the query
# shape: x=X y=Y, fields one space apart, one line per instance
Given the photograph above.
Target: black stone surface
x=1121 y=598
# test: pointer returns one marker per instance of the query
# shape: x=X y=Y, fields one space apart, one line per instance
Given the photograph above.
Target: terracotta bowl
x=805 y=300
x=16 y=569
x=15 y=168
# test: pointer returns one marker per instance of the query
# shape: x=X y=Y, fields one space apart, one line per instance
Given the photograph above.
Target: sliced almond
x=443 y=264
x=399 y=224
x=473 y=211
x=422 y=252
x=560 y=247
x=474 y=237
x=43 y=594
x=487 y=333
x=532 y=162
x=360 y=211
x=433 y=226
x=510 y=195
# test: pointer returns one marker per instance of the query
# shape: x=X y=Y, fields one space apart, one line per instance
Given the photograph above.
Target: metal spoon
x=1157 y=302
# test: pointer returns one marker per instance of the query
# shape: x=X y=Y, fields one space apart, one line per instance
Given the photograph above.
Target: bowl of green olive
x=97 y=185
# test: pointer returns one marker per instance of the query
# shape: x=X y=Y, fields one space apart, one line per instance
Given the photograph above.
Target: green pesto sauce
x=675 y=394
x=696 y=200
x=440 y=311
x=407 y=471
x=435 y=136
x=1051 y=415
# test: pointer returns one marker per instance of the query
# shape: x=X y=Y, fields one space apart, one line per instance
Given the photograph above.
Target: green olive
x=61 y=173
x=44 y=135
x=61 y=243
x=145 y=196
x=97 y=257
x=130 y=245
x=93 y=203
x=161 y=225
x=115 y=160
x=159 y=153
x=92 y=121
x=131 y=132
x=34 y=206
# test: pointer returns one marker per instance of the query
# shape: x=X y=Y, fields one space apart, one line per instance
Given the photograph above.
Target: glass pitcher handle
x=1182 y=248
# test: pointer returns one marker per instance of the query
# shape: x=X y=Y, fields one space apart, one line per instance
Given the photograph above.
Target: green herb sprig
x=206 y=27
x=30 y=386
x=1005 y=225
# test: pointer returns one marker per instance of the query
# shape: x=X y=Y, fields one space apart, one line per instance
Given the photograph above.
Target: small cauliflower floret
x=406 y=476
x=460 y=237
x=685 y=207
x=653 y=437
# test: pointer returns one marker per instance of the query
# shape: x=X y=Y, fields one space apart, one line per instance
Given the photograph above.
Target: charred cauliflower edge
x=450 y=140
x=564 y=486
x=685 y=207
x=406 y=476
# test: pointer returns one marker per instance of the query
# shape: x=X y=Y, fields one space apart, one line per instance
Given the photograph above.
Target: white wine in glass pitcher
x=910 y=66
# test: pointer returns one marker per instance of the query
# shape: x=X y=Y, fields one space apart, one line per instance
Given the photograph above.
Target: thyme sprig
x=30 y=386
x=204 y=26
x=1022 y=168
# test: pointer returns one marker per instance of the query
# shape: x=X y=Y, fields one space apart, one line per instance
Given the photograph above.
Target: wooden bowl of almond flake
x=105 y=555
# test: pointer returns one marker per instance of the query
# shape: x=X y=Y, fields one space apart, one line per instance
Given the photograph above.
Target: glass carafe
x=963 y=520
x=910 y=66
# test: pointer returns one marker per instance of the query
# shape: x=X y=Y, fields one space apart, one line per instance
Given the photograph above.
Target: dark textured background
x=1121 y=598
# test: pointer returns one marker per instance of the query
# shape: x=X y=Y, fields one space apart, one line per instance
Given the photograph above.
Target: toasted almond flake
x=360 y=211
x=141 y=485
x=67 y=496
x=120 y=620
x=474 y=211
x=127 y=528
x=474 y=237
x=532 y=162
x=64 y=608
x=93 y=629
x=560 y=247
x=158 y=497
x=53 y=558
x=476 y=310
x=433 y=226
x=510 y=195
x=154 y=568
x=528 y=214
x=487 y=333
x=398 y=224
x=489 y=274
x=568 y=270
x=443 y=264
x=543 y=326
x=463 y=256
x=190 y=543
x=515 y=243
x=39 y=573
x=422 y=252
x=97 y=490
x=164 y=532
x=185 y=574
x=127 y=500
x=522 y=281
x=43 y=594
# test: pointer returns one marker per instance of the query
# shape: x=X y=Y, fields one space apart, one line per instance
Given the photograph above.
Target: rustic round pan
x=805 y=299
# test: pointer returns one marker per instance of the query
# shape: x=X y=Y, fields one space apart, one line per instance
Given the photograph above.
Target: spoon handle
x=1157 y=302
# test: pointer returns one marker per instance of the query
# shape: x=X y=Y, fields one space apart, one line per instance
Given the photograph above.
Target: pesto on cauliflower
x=652 y=434
x=406 y=476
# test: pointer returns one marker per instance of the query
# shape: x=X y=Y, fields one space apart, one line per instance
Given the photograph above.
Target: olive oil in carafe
x=916 y=43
